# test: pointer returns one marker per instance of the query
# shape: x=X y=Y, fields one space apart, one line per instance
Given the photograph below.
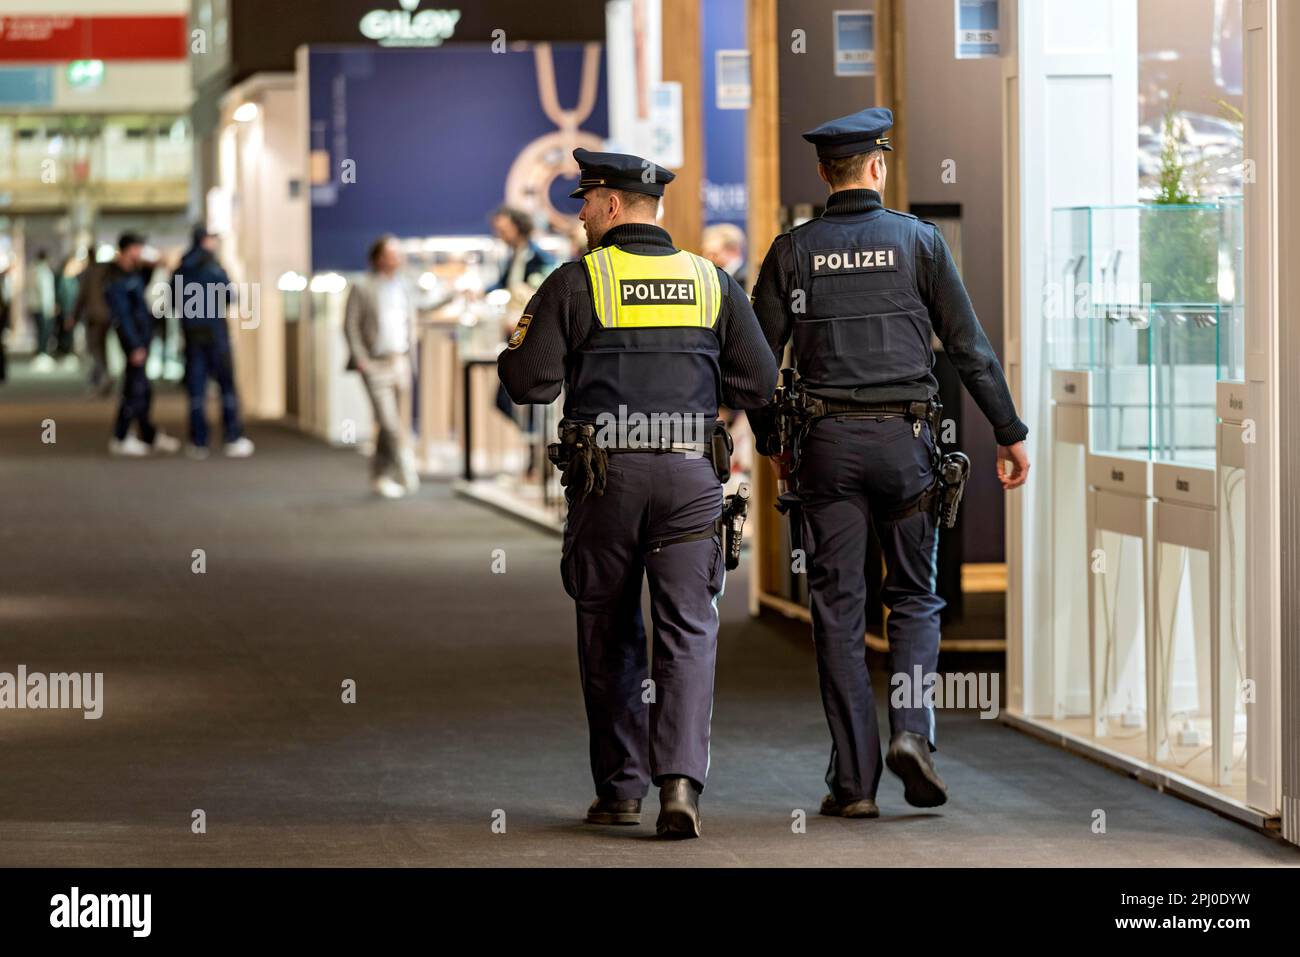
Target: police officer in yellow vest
x=647 y=341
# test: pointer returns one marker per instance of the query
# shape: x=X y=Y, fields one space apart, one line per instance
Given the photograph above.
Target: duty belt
x=819 y=408
x=583 y=460
x=697 y=448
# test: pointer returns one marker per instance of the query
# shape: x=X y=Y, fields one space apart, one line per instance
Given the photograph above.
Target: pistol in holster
x=735 y=508
x=583 y=464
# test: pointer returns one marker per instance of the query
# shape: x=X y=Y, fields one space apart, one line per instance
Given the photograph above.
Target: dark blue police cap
x=859 y=132
x=619 y=171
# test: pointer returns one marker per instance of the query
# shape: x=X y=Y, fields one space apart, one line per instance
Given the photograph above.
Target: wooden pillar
x=681 y=41
x=763 y=173
x=891 y=89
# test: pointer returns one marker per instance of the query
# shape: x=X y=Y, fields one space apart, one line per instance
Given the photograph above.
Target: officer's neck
x=872 y=184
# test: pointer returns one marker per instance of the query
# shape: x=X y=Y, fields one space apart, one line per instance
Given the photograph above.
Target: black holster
x=583 y=464
x=720 y=449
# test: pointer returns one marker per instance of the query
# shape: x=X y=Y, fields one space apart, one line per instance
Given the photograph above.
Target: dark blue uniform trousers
x=204 y=360
x=854 y=471
x=137 y=397
x=642 y=733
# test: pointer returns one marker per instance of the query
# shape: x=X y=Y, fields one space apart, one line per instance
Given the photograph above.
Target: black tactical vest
x=654 y=348
x=863 y=322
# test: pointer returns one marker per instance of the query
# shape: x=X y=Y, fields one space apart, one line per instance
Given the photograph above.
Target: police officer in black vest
x=861 y=289
x=647 y=341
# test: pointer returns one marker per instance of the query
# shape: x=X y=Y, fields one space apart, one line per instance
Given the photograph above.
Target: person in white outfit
x=379 y=323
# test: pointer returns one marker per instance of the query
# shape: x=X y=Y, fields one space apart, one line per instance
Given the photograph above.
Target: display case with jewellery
x=1196 y=331
x=1144 y=318
x=467 y=426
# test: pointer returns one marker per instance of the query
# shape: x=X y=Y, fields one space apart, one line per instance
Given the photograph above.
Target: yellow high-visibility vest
x=636 y=291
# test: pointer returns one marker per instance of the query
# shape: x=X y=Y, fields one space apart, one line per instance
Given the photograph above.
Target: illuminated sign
x=53 y=39
x=409 y=26
x=86 y=74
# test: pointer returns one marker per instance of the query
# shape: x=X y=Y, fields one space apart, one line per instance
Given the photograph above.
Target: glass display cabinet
x=1197 y=333
x=1144 y=317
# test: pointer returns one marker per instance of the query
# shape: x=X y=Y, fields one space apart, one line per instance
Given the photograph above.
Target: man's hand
x=1016 y=468
x=139 y=355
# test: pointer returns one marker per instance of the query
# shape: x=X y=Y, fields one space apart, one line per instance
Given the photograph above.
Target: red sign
x=42 y=39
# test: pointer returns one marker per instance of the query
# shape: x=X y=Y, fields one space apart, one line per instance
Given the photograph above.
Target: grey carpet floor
x=223 y=690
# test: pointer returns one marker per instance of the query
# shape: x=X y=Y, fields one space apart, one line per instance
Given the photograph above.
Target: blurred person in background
x=527 y=264
x=124 y=292
x=91 y=307
x=724 y=245
x=379 y=323
x=65 y=302
x=5 y=301
x=525 y=267
x=206 y=292
x=39 y=291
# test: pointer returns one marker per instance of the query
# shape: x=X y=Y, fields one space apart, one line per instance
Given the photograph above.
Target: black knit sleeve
x=964 y=341
x=748 y=369
x=771 y=295
x=532 y=366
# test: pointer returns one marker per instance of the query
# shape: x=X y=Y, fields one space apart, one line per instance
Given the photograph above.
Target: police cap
x=859 y=132
x=619 y=171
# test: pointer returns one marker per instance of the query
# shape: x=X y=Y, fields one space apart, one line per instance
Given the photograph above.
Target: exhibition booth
x=1146 y=625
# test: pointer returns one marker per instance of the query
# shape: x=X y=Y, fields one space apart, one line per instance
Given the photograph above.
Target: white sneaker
x=197 y=452
x=43 y=363
x=387 y=488
x=410 y=475
x=241 y=448
x=162 y=442
x=129 y=447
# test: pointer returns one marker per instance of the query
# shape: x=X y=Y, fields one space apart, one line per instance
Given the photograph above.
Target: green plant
x=1172 y=170
x=1179 y=252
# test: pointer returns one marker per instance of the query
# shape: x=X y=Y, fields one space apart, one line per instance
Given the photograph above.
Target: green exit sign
x=86 y=74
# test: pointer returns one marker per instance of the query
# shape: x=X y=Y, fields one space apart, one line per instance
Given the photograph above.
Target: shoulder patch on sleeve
x=521 y=330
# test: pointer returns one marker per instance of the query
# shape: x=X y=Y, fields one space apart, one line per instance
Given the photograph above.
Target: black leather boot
x=909 y=758
x=679 y=809
x=611 y=811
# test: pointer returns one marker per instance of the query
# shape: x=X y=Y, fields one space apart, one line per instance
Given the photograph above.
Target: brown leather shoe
x=865 y=807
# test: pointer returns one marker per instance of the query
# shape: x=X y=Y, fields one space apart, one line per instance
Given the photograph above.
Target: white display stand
x=1071 y=695
x=1119 y=536
x=1185 y=701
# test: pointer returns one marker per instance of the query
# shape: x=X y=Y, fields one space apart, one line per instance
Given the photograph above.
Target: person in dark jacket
x=91 y=308
x=202 y=293
x=860 y=291
x=638 y=329
x=124 y=292
x=526 y=265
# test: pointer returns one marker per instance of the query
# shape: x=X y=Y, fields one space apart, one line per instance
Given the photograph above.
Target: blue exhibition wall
x=431 y=135
x=723 y=28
